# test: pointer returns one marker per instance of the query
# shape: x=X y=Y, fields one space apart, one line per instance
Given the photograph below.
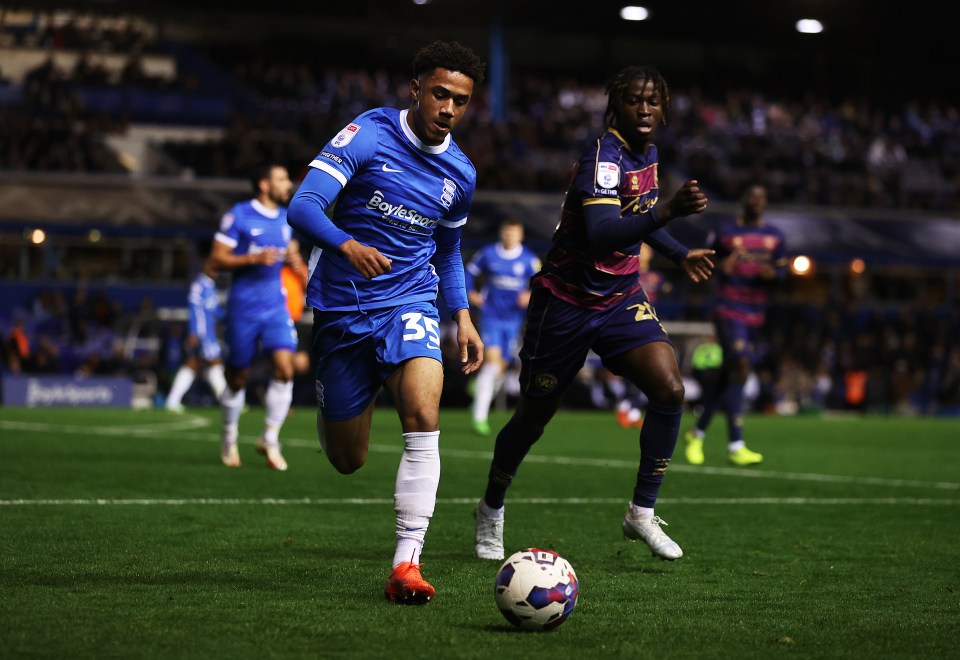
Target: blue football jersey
x=506 y=274
x=204 y=306
x=395 y=191
x=250 y=228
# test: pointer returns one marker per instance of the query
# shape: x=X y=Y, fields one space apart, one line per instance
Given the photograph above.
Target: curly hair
x=617 y=87
x=449 y=55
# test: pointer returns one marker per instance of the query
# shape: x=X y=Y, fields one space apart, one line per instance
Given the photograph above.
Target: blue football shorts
x=354 y=353
x=559 y=336
x=502 y=334
x=273 y=331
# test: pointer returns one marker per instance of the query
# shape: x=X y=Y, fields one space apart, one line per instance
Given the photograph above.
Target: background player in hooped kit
x=254 y=242
x=403 y=190
x=588 y=296
x=502 y=270
x=751 y=257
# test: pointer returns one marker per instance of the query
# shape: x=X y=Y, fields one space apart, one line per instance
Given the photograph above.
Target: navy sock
x=658 y=438
x=733 y=408
x=513 y=443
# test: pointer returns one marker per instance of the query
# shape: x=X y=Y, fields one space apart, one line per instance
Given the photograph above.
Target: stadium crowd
x=808 y=149
x=848 y=355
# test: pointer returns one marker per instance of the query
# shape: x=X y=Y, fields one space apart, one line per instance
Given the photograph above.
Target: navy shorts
x=559 y=336
x=355 y=352
x=738 y=339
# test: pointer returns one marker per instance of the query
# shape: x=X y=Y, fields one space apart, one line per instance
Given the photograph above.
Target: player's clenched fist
x=368 y=261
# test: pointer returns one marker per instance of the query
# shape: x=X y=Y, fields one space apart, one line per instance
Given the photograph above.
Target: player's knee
x=346 y=462
x=669 y=393
x=422 y=420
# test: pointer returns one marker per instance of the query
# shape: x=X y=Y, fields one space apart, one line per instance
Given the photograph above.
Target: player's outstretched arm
x=469 y=342
x=698 y=265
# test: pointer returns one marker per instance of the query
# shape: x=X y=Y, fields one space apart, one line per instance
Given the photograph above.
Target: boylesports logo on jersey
x=344 y=137
x=399 y=212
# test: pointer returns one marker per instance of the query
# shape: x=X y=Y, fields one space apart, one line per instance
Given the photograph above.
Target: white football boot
x=489 y=540
x=648 y=530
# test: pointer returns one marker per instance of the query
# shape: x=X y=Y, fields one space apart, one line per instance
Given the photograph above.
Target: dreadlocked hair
x=449 y=55
x=617 y=87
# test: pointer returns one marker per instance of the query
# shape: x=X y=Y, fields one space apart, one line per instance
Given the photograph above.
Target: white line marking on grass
x=193 y=423
x=721 y=501
x=183 y=424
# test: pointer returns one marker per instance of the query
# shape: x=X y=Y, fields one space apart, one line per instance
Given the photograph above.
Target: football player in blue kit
x=202 y=345
x=589 y=295
x=254 y=241
x=502 y=270
x=384 y=260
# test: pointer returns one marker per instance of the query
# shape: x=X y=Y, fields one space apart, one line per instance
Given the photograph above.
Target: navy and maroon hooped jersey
x=742 y=295
x=607 y=172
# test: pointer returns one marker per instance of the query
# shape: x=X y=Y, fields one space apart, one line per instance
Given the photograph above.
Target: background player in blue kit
x=403 y=190
x=751 y=257
x=503 y=271
x=589 y=296
x=254 y=242
x=202 y=345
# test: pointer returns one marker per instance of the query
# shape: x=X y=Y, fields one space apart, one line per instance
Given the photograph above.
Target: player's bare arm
x=468 y=339
x=368 y=261
x=222 y=257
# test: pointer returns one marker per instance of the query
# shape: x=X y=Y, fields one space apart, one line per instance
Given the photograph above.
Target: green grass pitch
x=123 y=537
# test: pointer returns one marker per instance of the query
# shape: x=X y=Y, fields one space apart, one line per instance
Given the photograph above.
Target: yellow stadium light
x=38 y=236
x=94 y=236
x=857 y=266
x=801 y=265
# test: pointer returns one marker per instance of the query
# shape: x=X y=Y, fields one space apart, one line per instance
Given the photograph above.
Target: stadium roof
x=885 y=44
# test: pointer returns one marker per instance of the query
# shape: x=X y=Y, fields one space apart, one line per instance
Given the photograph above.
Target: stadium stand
x=109 y=131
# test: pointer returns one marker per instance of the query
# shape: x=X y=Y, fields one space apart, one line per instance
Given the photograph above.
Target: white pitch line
x=721 y=501
x=189 y=423
x=184 y=424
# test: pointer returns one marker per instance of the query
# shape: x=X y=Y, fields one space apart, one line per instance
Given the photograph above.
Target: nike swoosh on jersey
x=387 y=168
x=256 y=232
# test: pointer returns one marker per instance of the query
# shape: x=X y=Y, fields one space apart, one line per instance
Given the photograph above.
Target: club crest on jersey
x=608 y=175
x=343 y=138
x=449 y=189
x=545 y=381
x=640 y=182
